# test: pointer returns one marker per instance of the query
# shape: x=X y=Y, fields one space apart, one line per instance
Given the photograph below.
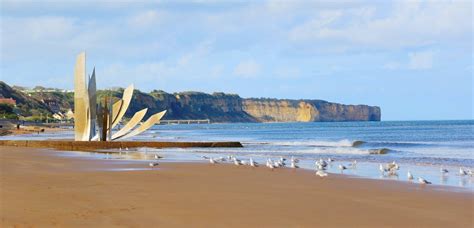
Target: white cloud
x=409 y=24
x=247 y=69
x=421 y=60
x=201 y=50
x=36 y=28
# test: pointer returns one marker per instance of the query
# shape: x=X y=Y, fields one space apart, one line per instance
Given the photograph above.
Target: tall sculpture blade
x=81 y=100
x=116 y=109
x=93 y=105
x=131 y=124
x=126 y=98
x=148 y=123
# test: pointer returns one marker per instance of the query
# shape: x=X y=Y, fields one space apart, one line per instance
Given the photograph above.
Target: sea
x=420 y=147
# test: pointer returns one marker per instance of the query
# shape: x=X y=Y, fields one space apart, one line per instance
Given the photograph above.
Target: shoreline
x=143 y=159
x=42 y=189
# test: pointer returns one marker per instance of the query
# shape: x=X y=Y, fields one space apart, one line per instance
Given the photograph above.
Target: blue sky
x=414 y=59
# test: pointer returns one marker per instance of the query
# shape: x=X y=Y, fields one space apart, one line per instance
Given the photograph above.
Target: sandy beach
x=39 y=188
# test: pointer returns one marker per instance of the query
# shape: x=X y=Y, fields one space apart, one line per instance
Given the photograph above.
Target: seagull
x=282 y=159
x=277 y=164
x=153 y=164
x=252 y=163
x=222 y=159
x=158 y=157
x=205 y=157
x=245 y=162
x=341 y=167
x=293 y=165
x=320 y=167
x=281 y=163
x=462 y=172
x=321 y=173
x=212 y=161
x=444 y=170
x=322 y=162
x=270 y=164
x=330 y=160
x=353 y=164
x=423 y=181
x=295 y=160
x=382 y=169
x=237 y=162
x=410 y=176
x=469 y=171
x=393 y=166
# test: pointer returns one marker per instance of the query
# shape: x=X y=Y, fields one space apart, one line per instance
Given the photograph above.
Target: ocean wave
x=314 y=143
x=379 y=151
x=280 y=151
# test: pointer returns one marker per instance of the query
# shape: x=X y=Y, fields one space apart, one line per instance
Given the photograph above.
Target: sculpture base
x=94 y=145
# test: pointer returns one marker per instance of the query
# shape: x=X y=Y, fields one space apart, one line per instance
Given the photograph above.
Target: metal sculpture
x=96 y=122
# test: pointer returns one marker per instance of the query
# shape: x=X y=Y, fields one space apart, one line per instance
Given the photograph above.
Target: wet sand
x=41 y=189
x=25 y=130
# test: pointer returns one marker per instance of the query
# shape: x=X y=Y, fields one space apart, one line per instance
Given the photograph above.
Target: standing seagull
x=462 y=172
x=410 y=176
x=382 y=169
x=341 y=167
x=252 y=163
x=469 y=171
x=153 y=164
x=293 y=165
x=295 y=160
x=212 y=161
x=443 y=170
x=270 y=164
x=237 y=162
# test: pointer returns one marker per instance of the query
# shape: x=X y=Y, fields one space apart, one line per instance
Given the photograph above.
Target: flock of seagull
x=389 y=169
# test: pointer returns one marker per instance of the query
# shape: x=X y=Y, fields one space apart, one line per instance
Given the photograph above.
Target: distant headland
x=40 y=102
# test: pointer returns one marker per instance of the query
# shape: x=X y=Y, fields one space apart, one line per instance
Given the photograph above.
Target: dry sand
x=40 y=189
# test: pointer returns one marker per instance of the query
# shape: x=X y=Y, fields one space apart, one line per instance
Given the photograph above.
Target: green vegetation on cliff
x=218 y=107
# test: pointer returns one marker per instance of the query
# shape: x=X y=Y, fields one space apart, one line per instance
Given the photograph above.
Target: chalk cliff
x=273 y=110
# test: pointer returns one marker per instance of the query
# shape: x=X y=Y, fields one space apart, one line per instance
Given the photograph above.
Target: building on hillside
x=9 y=101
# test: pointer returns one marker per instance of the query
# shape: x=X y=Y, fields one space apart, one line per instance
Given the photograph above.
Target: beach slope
x=39 y=188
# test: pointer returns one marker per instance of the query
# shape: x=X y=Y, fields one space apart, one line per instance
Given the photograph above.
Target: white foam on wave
x=268 y=151
x=315 y=143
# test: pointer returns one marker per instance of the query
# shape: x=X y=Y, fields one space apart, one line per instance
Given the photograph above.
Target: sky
x=412 y=58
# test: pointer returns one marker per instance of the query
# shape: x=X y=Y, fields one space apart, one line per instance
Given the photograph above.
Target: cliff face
x=339 y=112
x=218 y=107
x=273 y=110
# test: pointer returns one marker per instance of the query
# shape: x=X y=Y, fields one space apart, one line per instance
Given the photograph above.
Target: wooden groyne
x=94 y=145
